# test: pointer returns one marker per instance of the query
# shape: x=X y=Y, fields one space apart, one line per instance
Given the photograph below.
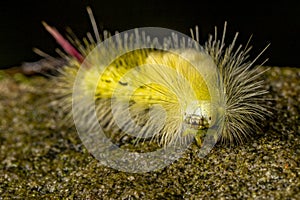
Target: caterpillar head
x=197 y=115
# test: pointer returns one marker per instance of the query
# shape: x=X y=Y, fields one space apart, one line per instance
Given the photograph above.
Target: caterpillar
x=167 y=88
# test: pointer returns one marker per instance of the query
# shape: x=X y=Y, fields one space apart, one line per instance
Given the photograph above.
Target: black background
x=276 y=22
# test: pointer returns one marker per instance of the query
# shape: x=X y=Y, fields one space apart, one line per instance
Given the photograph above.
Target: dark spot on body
x=124 y=84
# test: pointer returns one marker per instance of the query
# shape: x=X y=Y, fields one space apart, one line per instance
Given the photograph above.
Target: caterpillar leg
x=198 y=135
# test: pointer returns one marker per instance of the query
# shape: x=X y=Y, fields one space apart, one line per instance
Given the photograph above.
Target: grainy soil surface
x=40 y=160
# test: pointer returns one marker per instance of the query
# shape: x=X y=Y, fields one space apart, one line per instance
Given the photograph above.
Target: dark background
x=277 y=23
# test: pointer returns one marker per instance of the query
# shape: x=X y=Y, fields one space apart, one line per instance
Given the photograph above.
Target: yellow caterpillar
x=170 y=91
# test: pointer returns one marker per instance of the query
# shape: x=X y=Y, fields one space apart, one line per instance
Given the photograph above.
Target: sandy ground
x=39 y=160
